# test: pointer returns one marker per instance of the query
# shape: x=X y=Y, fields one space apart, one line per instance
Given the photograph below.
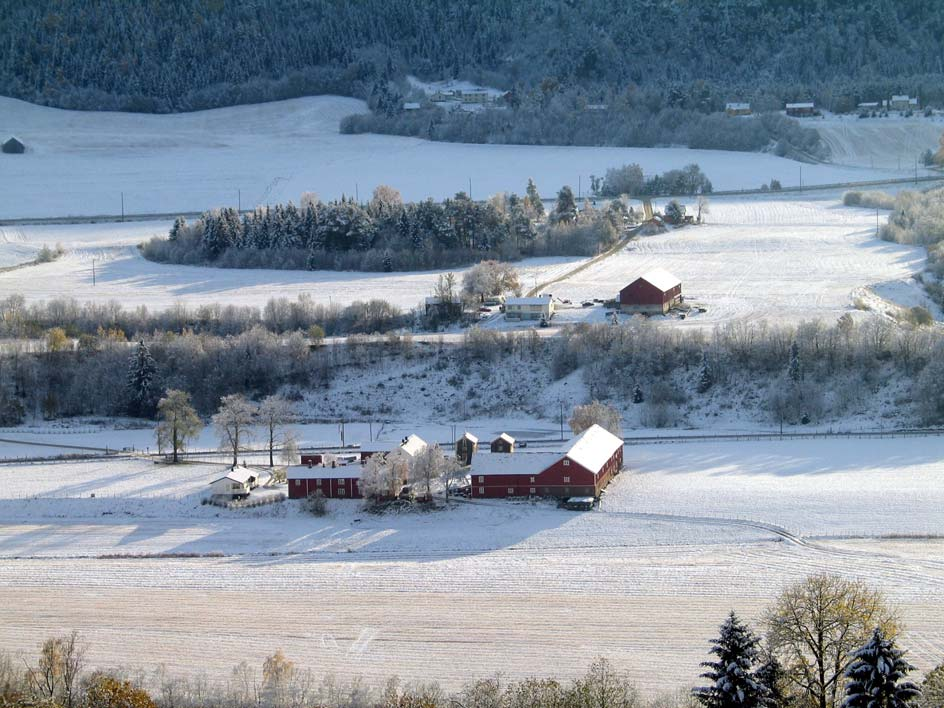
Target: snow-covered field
x=780 y=258
x=688 y=532
x=894 y=142
x=82 y=162
x=765 y=258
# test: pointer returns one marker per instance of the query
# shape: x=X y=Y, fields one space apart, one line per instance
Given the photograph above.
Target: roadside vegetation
x=827 y=642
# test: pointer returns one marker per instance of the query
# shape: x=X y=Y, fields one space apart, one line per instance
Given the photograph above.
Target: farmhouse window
x=566 y=463
x=481 y=478
x=532 y=480
x=237 y=486
x=532 y=491
x=511 y=490
x=298 y=483
x=481 y=490
x=566 y=480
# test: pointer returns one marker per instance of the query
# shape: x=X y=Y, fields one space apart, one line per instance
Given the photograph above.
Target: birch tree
x=232 y=422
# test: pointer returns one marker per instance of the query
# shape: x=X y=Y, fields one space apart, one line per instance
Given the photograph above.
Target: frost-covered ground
x=687 y=533
x=766 y=258
x=779 y=258
x=81 y=162
x=894 y=142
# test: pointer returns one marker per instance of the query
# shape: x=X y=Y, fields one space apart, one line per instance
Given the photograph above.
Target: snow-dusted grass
x=894 y=142
x=778 y=259
x=81 y=162
x=649 y=575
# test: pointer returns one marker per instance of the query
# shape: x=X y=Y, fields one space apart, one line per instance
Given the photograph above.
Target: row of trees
x=387 y=235
x=629 y=179
x=830 y=643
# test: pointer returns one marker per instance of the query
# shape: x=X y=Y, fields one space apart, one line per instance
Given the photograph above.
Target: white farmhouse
x=529 y=308
x=237 y=484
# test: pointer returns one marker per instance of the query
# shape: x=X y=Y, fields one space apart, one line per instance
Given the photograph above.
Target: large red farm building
x=583 y=468
x=655 y=292
x=341 y=482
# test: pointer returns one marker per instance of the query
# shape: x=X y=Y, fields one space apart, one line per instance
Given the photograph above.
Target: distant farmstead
x=655 y=292
x=529 y=308
x=582 y=469
x=339 y=482
x=801 y=110
x=13 y=147
x=737 y=109
x=903 y=103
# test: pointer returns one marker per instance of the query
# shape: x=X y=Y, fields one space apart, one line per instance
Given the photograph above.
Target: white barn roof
x=469 y=436
x=661 y=279
x=239 y=474
x=506 y=437
x=804 y=104
x=521 y=463
x=737 y=106
x=593 y=447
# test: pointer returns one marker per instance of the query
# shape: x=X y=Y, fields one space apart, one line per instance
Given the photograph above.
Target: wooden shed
x=503 y=443
x=466 y=446
x=13 y=147
x=655 y=292
x=801 y=110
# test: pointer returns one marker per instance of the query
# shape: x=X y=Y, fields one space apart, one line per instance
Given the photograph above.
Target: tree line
x=830 y=643
x=387 y=234
x=105 y=54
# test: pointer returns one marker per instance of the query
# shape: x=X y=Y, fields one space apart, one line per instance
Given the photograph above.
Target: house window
x=532 y=480
x=298 y=483
x=340 y=491
x=511 y=490
x=532 y=491
x=236 y=487
x=481 y=490
x=566 y=480
x=481 y=478
x=566 y=463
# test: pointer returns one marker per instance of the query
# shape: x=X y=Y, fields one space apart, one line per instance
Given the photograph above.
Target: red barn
x=656 y=292
x=341 y=482
x=584 y=468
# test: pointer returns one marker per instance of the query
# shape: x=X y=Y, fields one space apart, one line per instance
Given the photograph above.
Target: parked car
x=579 y=503
x=587 y=303
x=463 y=491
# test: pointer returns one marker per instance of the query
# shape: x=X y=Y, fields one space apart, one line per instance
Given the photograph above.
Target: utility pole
x=357 y=196
x=561 y=420
x=122 y=206
x=239 y=200
x=579 y=186
x=370 y=428
x=470 y=188
x=93 y=271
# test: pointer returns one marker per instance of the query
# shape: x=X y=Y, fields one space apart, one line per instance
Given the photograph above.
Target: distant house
x=409 y=446
x=442 y=97
x=411 y=106
x=596 y=107
x=529 y=308
x=466 y=447
x=13 y=147
x=903 y=103
x=582 y=468
x=340 y=482
x=801 y=110
x=868 y=106
x=236 y=484
x=474 y=96
x=654 y=292
x=504 y=443
x=737 y=109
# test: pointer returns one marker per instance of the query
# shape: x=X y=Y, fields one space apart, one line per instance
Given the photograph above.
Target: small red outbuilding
x=655 y=292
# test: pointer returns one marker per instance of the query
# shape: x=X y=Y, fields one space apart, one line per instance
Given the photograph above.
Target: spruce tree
x=795 y=369
x=179 y=224
x=734 y=680
x=534 y=199
x=876 y=676
x=143 y=392
x=706 y=379
x=566 y=210
x=637 y=394
x=772 y=676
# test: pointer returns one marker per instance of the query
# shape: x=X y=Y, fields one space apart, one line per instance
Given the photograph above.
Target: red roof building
x=653 y=293
x=583 y=468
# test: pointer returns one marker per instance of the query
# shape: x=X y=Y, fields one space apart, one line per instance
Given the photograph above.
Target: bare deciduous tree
x=179 y=422
x=274 y=413
x=232 y=422
x=596 y=413
x=814 y=627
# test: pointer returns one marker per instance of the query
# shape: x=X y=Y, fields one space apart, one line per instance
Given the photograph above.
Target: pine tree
x=637 y=394
x=179 y=224
x=706 y=379
x=566 y=210
x=875 y=677
x=143 y=392
x=773 y=677
x=795 y=370
x=734 y=675
x=534 y=199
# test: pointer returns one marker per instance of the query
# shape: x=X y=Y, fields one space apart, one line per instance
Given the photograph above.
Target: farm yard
x=686 y=533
